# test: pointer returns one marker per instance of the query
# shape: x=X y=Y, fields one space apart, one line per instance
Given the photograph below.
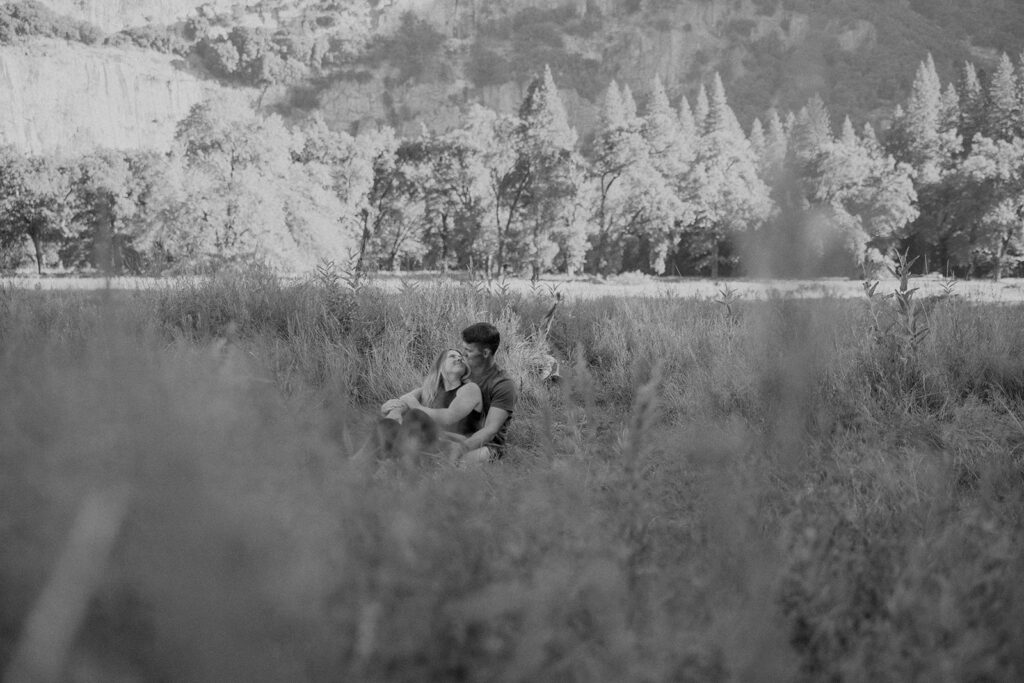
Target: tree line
x=672 y=189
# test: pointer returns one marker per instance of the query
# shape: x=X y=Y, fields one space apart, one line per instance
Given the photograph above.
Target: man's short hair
x=484 y=334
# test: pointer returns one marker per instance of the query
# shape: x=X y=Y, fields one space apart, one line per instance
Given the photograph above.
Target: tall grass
x=774 y=492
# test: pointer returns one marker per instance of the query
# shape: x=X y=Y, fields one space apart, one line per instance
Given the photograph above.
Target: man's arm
x=466 y=399
x=496 y=417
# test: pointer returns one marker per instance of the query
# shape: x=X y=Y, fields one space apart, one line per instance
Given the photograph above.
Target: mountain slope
x=411 y=62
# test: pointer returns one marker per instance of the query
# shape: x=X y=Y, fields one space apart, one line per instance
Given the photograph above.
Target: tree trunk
x=1004 y=246
x=714 y=261
x=364 y=240
x=37 y=248
x=444 y=243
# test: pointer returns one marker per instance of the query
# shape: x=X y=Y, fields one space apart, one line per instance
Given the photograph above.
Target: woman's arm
x=402 y=402
x=467 y=398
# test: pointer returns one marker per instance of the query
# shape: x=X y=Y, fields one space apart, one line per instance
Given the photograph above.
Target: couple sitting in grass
x=467 y=395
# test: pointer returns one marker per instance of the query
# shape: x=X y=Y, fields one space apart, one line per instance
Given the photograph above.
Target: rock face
x=66 y=97
x=114 y=15
x=448 y=15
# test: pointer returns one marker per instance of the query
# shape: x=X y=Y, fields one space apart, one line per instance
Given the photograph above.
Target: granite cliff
x=68 y=97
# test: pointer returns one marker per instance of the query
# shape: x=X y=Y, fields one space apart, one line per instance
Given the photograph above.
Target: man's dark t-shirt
x=467 y=425
x=496 y=389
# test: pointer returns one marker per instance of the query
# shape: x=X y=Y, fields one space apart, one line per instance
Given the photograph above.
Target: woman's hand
x=411 y=402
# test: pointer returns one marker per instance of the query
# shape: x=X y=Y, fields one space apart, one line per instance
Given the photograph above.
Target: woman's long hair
x=433 y=383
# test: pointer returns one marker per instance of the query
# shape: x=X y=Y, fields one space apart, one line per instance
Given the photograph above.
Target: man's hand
x=411 y=402
x=393 y=404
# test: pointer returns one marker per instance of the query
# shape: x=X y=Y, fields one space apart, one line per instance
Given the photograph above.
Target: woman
x=446 y=396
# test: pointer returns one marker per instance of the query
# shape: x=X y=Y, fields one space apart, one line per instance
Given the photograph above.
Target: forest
x=662 y=189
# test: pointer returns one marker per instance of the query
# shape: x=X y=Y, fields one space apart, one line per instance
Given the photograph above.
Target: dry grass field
x=812 y=486
x=1007 y=290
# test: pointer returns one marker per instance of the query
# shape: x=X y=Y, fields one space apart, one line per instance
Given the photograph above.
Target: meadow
x=787 y=488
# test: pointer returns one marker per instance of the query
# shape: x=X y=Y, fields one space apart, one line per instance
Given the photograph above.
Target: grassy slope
x=781 y=492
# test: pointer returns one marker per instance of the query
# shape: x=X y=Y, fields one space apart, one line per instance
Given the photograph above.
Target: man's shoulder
x=497 y=382
x=494 y=376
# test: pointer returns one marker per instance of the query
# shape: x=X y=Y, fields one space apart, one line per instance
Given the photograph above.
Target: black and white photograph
x=513 y=341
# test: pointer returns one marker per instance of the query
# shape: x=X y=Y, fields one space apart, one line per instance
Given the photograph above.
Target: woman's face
x=454 y=363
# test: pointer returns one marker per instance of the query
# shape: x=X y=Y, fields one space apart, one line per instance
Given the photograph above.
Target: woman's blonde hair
x=433 y=383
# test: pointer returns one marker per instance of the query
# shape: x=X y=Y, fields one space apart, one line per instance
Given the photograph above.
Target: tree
x=998 y=167
x=670 y=151
x=700 y=111
x=242 y=192
x=859 y=196
x=810 y=133
x=33 y=202
x=730 y=196
x=111 y=192
x=618 y=150
x=496 y=137
x=773 y=155
x=549 y=163
x=758 y=143
x=972 y=105
x=382 y=206
x=344 y=167
x=926 y=135
x=1004 y=114
x=453 y=184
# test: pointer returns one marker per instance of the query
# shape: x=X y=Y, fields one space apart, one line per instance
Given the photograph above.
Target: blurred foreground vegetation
x=775 y=490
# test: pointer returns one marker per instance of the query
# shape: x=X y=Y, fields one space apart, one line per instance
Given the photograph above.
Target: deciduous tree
x=34 y=201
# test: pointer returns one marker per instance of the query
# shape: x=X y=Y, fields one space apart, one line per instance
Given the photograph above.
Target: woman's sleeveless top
x=467 y=425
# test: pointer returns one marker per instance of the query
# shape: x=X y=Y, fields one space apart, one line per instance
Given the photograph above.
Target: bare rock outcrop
x=114 y=15
x=67 y=97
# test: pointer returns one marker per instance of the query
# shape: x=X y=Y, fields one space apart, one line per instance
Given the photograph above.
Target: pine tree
x=775 y=146
x=613 y=114
x=664 y=137
x=730 y=195
x=632 y=178
x=757 y=139
x=848 y=136
x=689 y=139
x=687 y=125
x=1004 y=119
x=869 y=139
x=629 y=104
x=547 y=157
x=618 y=150
x=701 y=109
x=973 y=105
x=720 y=115
x=926 y=136
x=949 y=121
x=811 y=131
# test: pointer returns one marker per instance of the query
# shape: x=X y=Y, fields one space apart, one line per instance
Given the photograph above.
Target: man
x=497 y=392
x=479 y=344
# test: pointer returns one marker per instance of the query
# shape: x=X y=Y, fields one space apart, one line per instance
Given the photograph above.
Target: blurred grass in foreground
x=780 y=492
